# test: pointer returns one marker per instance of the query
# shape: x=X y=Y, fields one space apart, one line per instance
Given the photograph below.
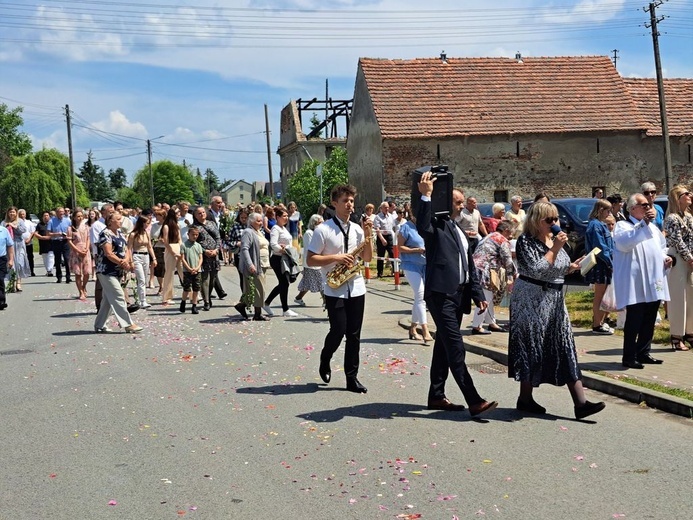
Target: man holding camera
x=451 y=285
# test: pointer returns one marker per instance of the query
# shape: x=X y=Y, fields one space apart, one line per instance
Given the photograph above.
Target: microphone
x=555 y=229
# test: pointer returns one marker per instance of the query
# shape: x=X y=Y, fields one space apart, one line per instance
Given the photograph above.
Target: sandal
x=688 y=338
x=677 y=343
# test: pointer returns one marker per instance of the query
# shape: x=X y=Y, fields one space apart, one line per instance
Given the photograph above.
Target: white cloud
x=118 y=123
x=587 y=10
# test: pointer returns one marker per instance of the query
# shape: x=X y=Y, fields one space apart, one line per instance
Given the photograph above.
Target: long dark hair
x=140 y=225
x=171 y=221
x=73 y=217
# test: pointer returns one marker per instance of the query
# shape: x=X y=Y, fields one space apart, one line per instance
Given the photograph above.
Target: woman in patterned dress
x=541 y=346
x=17 y=228
x=311 y=278
x=678 y=228
x=210 y=240
x=80 y=252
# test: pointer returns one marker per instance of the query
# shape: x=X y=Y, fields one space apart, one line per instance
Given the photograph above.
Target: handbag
x=498 y=280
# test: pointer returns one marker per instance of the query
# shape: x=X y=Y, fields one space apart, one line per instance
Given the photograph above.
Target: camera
x=441 y=200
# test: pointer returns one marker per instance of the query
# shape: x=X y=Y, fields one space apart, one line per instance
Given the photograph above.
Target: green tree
x=117 y=179
x=40 y=181
x=211 y=181
x=13 y=142
x=172 y=182
x=304 y=186
x=131 y=199
x=94 y=180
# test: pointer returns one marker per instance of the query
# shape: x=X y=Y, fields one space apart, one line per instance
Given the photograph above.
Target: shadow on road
x=308 y=388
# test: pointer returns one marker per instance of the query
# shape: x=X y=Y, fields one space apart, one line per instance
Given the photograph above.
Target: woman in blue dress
x=598 y=235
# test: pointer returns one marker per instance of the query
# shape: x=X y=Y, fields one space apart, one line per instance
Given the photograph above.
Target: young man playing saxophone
x=332 y=247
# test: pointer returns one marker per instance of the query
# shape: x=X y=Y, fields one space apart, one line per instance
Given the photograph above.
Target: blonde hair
x=599 y=206
x=535 y=214
x=674 y=196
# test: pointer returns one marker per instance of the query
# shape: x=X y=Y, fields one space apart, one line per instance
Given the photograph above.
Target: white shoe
x=267 y=310
x=300 y=303
x=102 y=330
x=145 y=305
x=289 y=314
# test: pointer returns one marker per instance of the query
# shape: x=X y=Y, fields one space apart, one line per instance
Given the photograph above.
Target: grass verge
x=658 y=387
x=579 y=306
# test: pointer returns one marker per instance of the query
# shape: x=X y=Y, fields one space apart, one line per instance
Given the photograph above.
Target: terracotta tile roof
x=678 y=95
x=485 y=96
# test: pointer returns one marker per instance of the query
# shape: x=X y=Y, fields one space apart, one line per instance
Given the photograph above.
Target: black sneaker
x=182 y=306
x=194 y=310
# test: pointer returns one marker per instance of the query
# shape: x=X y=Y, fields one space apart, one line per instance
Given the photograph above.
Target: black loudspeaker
x=441 y=200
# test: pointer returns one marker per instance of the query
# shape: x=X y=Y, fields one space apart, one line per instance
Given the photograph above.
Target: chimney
x=518 y=57
x=443 y=57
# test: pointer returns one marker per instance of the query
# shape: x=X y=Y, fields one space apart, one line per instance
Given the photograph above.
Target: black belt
x=140 y=252
x=542 y=284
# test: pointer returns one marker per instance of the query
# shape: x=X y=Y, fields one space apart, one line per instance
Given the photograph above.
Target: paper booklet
x=589 y=261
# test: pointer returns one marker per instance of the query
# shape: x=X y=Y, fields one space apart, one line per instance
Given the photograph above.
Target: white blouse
x=279 y=236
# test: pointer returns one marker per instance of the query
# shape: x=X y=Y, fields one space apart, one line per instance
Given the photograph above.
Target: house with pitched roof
x=563 y=125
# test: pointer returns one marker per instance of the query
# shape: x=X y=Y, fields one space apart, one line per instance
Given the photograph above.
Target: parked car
x=573 y=215
x=34 y=218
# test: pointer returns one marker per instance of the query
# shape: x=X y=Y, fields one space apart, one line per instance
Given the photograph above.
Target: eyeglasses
x=652 y=192
x=551 y=220
x=644 y=205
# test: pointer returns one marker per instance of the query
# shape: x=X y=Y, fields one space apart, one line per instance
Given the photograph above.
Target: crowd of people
x=451 y=262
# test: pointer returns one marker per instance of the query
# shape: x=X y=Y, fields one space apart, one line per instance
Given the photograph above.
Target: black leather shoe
x=206 y=306
x=240 y=307
x=480 y=330
x=632 y=364
x=445 y=405
x=353 y=385
x=325 y=372
x=531 y=407
x=588 y=409
x=649 y=360
x=222 y=296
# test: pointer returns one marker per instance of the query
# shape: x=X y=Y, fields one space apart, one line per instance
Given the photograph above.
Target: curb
x=607 y=385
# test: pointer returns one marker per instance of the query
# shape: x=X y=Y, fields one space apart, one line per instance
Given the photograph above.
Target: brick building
x=564 y=125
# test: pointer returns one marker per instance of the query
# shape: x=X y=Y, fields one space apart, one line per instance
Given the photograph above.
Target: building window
x=240 y=196
x=598 y=192
x=597 y=145
x=500 y=196
x=517 y=154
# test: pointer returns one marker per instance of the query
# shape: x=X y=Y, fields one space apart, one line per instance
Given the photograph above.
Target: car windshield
x=579 y=209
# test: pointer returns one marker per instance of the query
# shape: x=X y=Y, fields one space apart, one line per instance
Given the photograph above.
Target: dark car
x=574 y=216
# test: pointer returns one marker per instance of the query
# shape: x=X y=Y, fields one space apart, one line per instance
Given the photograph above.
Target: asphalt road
x=211 y=417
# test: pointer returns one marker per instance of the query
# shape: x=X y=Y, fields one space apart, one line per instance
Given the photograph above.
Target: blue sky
x=199 y=72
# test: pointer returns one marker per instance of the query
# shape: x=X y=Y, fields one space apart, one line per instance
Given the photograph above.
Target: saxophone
x=341 y=273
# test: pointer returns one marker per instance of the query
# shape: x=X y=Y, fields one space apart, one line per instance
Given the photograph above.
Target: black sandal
x=677 y=343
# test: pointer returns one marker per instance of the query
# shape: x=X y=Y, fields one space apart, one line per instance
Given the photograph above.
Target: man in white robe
x=640 y=270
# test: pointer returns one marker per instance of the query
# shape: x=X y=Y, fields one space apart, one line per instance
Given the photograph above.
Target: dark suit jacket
x=442 y=258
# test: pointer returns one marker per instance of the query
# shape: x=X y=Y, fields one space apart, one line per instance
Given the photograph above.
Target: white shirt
x=639 y=253
x=30 y=229
x=94 y=231
x=279 y=236
x=328 y=239
x=307 y=237
x=385 y=223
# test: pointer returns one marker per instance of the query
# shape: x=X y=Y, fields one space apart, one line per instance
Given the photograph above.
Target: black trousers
x=382 y=249
x=639 y=330
x=209 y=279
x=448 y=350
x=346 y=319
x=282 y=288
x=236 y=259
x=61 y=250
x=30 y=256
x=3 y=273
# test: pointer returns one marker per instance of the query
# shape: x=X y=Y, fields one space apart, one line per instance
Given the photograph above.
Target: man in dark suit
x=214 y=214
x=450 y=287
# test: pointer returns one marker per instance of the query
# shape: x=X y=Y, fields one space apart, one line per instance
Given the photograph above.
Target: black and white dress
x=541 y=346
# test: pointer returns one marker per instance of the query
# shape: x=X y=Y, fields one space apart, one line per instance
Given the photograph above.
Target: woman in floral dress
x=80 y=252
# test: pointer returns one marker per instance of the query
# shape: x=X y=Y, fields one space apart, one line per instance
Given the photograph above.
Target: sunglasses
x=653 y=192
x=551 y=220
x=644 y=205
x=687 y=193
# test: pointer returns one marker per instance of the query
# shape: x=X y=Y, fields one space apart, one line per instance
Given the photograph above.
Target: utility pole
x=69 y=149
x=269 y=156
x=151 y=177
x=660 y=90
x=614 y=58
